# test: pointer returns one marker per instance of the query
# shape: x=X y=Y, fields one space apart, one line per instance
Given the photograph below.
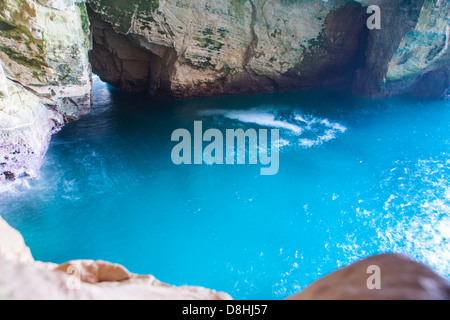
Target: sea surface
x=356 y=177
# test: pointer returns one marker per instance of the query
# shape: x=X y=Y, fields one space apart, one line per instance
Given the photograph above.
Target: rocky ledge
x=21 y=277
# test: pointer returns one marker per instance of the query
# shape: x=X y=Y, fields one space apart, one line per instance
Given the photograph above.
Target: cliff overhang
x=186 y=49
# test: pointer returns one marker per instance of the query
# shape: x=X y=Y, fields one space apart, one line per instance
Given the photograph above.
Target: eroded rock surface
x=410 y=54
x=44 y=48
x=45 y=79
x=26 y=126
x=229 y=46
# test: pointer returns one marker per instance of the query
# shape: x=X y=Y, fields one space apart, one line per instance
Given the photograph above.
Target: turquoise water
x=357 y=177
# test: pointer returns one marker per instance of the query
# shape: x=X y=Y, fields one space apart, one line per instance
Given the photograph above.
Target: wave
x=300 y=130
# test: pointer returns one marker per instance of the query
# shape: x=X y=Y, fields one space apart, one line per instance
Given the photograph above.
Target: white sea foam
x=302 y=130
x=300 y=118
x=262 y=118
x=307 y=143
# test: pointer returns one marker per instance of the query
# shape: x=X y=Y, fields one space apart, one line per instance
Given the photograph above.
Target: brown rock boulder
x=95 y=271
x=400 y=279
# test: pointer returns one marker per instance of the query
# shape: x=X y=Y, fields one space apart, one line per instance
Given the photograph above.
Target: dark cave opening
x=336 y=55
x=131 y=63
x=128 y=62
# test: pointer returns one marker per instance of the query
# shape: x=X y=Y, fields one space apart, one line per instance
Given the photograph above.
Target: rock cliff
x=192 y=48
x=207 y=47
x=45 y=79
x=410 y=54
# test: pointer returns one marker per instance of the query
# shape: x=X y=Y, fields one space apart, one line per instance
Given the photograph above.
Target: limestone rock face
x=207 y=47
x=400 y=279
x=226 y=46
x=26 y=126
x=44 y=48
x=39 y=282
x=45 y=79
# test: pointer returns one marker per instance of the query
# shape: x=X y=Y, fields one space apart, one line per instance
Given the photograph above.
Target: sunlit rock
x=12 y=245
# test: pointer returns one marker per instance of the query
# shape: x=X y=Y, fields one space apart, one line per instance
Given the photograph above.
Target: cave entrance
x=129 y=62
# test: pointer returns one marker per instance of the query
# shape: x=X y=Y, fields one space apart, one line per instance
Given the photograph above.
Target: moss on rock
x=120 y=12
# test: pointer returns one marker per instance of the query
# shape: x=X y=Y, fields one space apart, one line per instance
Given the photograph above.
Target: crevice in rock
x=254 y=38
x=124 y=62
x=333 y=58
x=398 y=18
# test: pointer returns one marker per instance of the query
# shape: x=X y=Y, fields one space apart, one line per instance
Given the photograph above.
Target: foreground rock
x=40 y=281
x=12 y=246
x=23 y=278
x=95 y=271
x=401 y=279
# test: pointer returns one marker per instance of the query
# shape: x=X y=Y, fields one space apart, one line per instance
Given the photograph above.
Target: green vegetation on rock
x=35 y=62
x=208 y=43
x=223 y=32
x=120 y=12
x=13 y=26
